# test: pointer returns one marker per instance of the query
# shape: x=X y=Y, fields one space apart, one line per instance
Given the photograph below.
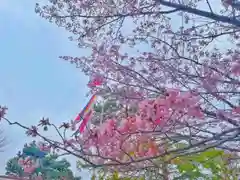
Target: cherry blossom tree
x=174 y=63
x=132 y=145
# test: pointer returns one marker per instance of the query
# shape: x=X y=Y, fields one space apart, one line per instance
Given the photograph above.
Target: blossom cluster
x=132 y=137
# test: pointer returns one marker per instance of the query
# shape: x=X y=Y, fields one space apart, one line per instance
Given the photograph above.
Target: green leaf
x=186 y=167
x=211 y=153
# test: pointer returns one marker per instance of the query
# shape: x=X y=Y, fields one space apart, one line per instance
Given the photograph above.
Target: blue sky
x=34 y=81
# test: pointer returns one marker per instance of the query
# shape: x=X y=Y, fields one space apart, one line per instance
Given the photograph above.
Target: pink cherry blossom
x=236 y=68
x=237 y=110
x=29 y=169
x=115 y=140
x=96 y=81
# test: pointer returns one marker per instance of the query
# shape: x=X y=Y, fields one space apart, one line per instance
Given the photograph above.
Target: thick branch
x=206 y=14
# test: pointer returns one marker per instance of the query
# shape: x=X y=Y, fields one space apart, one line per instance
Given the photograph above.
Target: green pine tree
x=51 y=168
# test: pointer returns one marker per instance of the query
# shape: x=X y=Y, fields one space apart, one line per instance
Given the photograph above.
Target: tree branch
x=206 y=14
x=116 y=15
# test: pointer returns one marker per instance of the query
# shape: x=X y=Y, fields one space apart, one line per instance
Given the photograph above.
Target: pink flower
x=44 y=147
x=195 y=112
x=237 y=110
x=236 y=69
x=96 y=81
x=172 y=95
x=110 y=138
x=29 y=169
x=140 y=124
x=21 y=161
x=108 y=127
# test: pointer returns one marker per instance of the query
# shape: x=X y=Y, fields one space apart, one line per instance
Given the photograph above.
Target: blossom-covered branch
x=142 y=138
x=175 y=65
